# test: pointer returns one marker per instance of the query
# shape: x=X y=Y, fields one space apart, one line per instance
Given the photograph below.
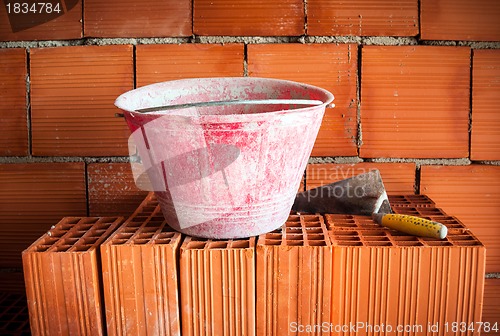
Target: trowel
x=365 y=194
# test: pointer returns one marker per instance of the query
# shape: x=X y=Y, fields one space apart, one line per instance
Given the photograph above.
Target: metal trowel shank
x=363 y=194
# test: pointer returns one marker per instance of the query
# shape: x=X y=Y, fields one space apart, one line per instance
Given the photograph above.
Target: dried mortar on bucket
x=227 y=163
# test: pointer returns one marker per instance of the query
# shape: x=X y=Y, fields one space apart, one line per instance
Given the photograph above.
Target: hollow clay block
x=294 y=274
x=14 y=318
x=139 y=270
x=62 y=275
x=383 y=277
x=217 y=279
x=411 y=200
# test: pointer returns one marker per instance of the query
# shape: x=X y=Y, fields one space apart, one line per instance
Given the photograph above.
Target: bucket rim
x=121 y=101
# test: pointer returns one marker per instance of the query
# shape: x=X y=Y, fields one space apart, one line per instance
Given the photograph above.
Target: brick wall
x=416 y=86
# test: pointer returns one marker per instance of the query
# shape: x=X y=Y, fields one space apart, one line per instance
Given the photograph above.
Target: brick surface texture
x=416 y=86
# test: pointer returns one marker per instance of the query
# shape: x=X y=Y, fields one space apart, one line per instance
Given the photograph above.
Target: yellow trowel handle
x=412 y=225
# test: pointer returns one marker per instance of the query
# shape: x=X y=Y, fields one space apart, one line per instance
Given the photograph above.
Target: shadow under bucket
x=229 y=169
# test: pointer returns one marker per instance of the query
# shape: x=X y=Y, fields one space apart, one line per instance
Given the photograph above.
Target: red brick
x=112 y=190
x=411 y=201
x=398 y=178
x=460 y=20
x=389 y=278
x=217 y=280
x=63 y=26
x=362 y=18
x=139 y=275
x=62 y=274
x=33 y=197
x=14 y=318
x=13 y=110
x=11 y=281
x=458 y=233
x=250 y=18
x=485 y=138
x=332 y=67
x=159 y=63
x=72 y=94
x=294 y=276
x=491 y=308
x=415 y=102
x=130 y=18
x=472 y=193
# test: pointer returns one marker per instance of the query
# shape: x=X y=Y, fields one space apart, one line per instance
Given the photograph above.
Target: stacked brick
x=413 y=80
x=33 y=197
x=217 y=284
x=439 y=20
x=397 y=97
x=139 y=275
x=387 y=278
x=14 y=315
x=318 y=270
x=294 y=274
x=472 y=193
x=491 y=310
x=62 y=277
x=367 y=273
x=398 y=201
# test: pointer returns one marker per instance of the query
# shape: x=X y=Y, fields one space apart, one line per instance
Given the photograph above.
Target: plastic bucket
x=225 y=171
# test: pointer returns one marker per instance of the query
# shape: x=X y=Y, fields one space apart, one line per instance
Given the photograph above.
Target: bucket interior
x=217 y=89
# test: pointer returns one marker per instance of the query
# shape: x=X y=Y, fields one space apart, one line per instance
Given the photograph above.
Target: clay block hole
x=196 y=245
x=217 y=245
x=295 y=242
x=240 y=244
x=164 y=235
x=317 y=243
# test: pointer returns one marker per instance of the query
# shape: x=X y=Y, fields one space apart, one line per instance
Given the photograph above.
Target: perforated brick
x=332 y=67
x=13 y=110
x=485 y=133
x=294 y=273
x=34 y=196
x=399 y=178
x=128 y=18
x=418 y=211
x=62 y=273
x=248 y=18
x=460 y=20
x=63 y=24
x=471 y=193
x=363 y=231
x=415 y=94
x=411 y=200
x=139 y=270
x=413 y=205
x=112 y=190
x=217 y=279
x=164 y=62
x=382 y=275
x=12 y=281
x=491 y=308
x=72 y=93
x=14 y=318
x=362 y=18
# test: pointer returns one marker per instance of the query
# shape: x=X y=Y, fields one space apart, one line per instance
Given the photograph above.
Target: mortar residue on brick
x=246 y=39
x=424 y=162
x=336 y=159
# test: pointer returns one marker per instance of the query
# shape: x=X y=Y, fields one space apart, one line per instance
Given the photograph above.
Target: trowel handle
x=412 y=225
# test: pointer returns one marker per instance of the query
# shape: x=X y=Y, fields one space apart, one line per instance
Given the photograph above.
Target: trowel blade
x=363 y=194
